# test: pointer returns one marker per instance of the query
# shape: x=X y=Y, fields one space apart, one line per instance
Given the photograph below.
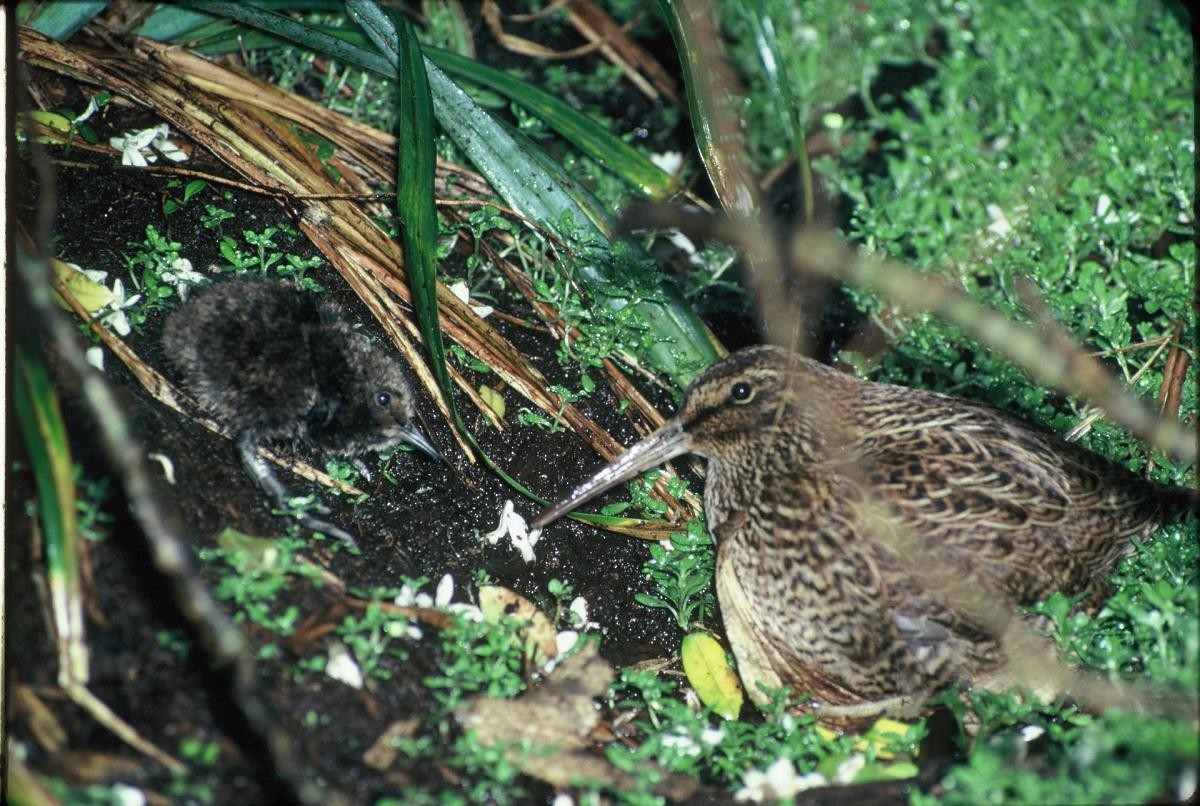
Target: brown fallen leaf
x=383 y=752
x=555 y=720
x=540 y=644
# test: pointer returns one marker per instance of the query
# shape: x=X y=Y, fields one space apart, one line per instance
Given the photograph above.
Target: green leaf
x=40 y=420
x=59 y=20
x=414 y=176
x=192 y=188
x=581 y=131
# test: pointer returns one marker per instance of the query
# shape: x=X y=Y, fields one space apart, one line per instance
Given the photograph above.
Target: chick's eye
x=741 y=392
x=384 y=400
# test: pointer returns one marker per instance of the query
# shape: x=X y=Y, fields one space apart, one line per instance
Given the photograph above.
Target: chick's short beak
x=413 y=436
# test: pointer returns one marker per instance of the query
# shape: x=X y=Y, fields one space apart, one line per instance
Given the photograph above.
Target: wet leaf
x=494 y=400
x=711 y=675
x=93 y=296
x=497 y=602
x=260 y=553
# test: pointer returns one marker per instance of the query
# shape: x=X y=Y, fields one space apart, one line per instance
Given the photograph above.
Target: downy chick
x=279 y=365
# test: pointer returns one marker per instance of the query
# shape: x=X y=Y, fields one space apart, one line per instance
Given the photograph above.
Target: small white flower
x=1031 y=732
x=849 y=769
x=443 y=598
x=87 y=112
x=563 y=799
x=181 y=275
x=126 y=795
x=669 y=161
x=342 y=667
x=116 y=318
x=682 y=744
x=712 y=736
x=95 y=357
x=579 y=614
x=1105 y=211
x=445 y=591
x=1185 y=790
x=999 y=225
x=514 y=526
x=778 y=782
x=461 y=291
x=141 y=148
x=467 y=610
x=565 y=641
x=168 y=467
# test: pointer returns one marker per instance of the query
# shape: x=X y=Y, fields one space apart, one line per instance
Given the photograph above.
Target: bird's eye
x=384 y=400
x=741 y=392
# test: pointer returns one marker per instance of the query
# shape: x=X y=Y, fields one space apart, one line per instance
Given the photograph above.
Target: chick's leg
x=264 y=475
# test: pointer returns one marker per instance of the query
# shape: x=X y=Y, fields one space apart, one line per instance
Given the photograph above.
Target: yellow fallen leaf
x=93 y=296
x=711 y=675
x=883 y=733
x=496 y=602
x=258 y=553
x=48 y=128
x=494 y=399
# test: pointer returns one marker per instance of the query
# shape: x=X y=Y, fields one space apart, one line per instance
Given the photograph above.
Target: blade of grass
x=710 y=87
x=578 y=129
x=787 y=101
x=414 y=196
x=39 y=418
x=41 y=425
x=59 y=20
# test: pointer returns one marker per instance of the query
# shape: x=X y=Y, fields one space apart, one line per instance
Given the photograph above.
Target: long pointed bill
x=664 y=444
x=414 y=436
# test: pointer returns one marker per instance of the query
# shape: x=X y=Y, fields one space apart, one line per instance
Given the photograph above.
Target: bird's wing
x=988 y=494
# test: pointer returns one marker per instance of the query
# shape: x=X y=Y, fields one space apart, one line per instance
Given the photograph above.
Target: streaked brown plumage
x=861 y=526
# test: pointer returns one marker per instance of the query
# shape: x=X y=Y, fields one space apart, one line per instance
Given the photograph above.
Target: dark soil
x=426 y=524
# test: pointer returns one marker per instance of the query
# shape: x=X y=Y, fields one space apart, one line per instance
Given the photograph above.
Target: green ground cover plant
x=1005 y=148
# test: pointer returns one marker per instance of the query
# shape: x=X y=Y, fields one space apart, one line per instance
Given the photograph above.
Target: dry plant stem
x=595 y=25
x=1085 y=424
x=65 y=622
x=1174 y=374
x=493 y=18
x=1050 y=357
